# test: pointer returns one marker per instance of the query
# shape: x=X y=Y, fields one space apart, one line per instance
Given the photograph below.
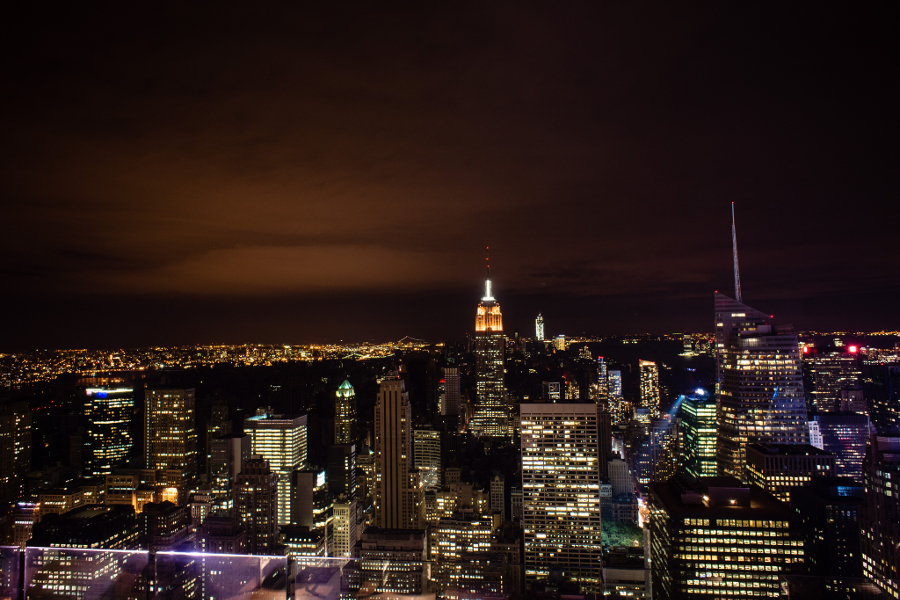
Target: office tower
x=94 y=526
x=620 y=477
x=719 y=537
x=170 y=439
x=365 y=476
x=222 y=535
x=491 y=417
x=516 y=504
x=539 y=328
x=761 y=389
x=829 y=518
x=664 y=450
x=281 y=441
x=561 y=491
x=498 y=495
x=342 y=470
x=779 y=468
x=844 y=434
x=391 y=562
x=649 y=386
x=311 y=503
x=165 y=527
x=15 y=449
x=626 y=573
x=109 y=412
x=256 y=504
x=450 y=392
x=698 y=428
x=228 y=454
x=396 y=483
x=604 y=443
x=343 y=527
x=559 y=342
x=832 y=372
x=427 y=456
x=451 y=537
x=880 y=517
x=303 y=541
x=618 y=408
x=615 y=383
x=345 y=417
x=602 y=383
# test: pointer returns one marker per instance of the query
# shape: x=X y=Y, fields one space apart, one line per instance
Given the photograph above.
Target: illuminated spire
x=737 y=276
x=487 y=279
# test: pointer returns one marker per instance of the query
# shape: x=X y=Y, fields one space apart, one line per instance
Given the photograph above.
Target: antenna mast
x=737 y=276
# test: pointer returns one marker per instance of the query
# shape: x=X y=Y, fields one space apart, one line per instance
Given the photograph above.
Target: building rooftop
x=788 y=449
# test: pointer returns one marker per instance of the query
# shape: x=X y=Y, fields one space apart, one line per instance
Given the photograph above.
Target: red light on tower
x=852 y=349
x=805 y=349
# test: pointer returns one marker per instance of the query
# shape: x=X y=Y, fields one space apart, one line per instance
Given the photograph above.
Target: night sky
x=216 y=173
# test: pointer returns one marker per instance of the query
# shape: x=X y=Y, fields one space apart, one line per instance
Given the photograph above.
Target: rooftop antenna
x=487 y=279
x=737 y=275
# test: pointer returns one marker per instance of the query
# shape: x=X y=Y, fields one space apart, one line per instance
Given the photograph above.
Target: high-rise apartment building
x=698 y=430
x=427 y=456
x=779 y=468
x=561 y=492
x=845 y=435
x=539 y=328
x=719 y=538
x=281 y=441
x=449 y=394
x=170 y=438
x=397 y=489
x=880 y=516
x=760 y=393
x=256 y=504
x=15 y=448
x=345 y=417
x=650 y=386
x=491 y=417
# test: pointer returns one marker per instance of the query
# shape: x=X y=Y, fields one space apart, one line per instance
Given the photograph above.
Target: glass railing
x=76 y=573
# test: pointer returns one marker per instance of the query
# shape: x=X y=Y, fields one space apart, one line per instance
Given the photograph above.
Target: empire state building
x=491 y=416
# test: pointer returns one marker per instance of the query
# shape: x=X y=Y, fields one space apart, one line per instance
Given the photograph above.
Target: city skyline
x=155 y=200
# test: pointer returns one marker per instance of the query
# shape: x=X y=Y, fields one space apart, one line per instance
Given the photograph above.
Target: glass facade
x=698 y=428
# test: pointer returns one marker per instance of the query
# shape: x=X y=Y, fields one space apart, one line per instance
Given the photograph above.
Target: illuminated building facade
x=345 y=417
x=391 y=561
x=539 y=328
x=109 y=412
x=698 y=429
x=15 y=448
x=719 y=538
x=649 y=386
x=256 y=504
x=844 y=435
x=760 y=393
x=491 y=417
x=449 y=394
x=427 y=456
x=779 y=468
x=561 y=492
x=343 y=527
x=280 y=440
x=170 y=439
x=880 y=516
x=832 y=373
x=396 y=481
x=228 y=454
x=498 y=495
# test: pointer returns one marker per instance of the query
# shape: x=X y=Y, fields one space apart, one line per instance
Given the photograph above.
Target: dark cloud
x=338 y=155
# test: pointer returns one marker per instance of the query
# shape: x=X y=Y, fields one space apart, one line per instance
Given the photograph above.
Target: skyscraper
x=491 y=416
x=228 y=454
x=880 y=516
x=449 y=395
x=396 y=481
x=345 y=417
x=832 y=373
x=760 y=393
x=342 y=470
x=256 y=504
x=170 y=439
x=561 y=492
x=109 y=412
x=281 y=441
x=650 y=386
x=539 y=328
x=698 y=426
x=427 y=456
x=15 y=448
x=844 y=434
